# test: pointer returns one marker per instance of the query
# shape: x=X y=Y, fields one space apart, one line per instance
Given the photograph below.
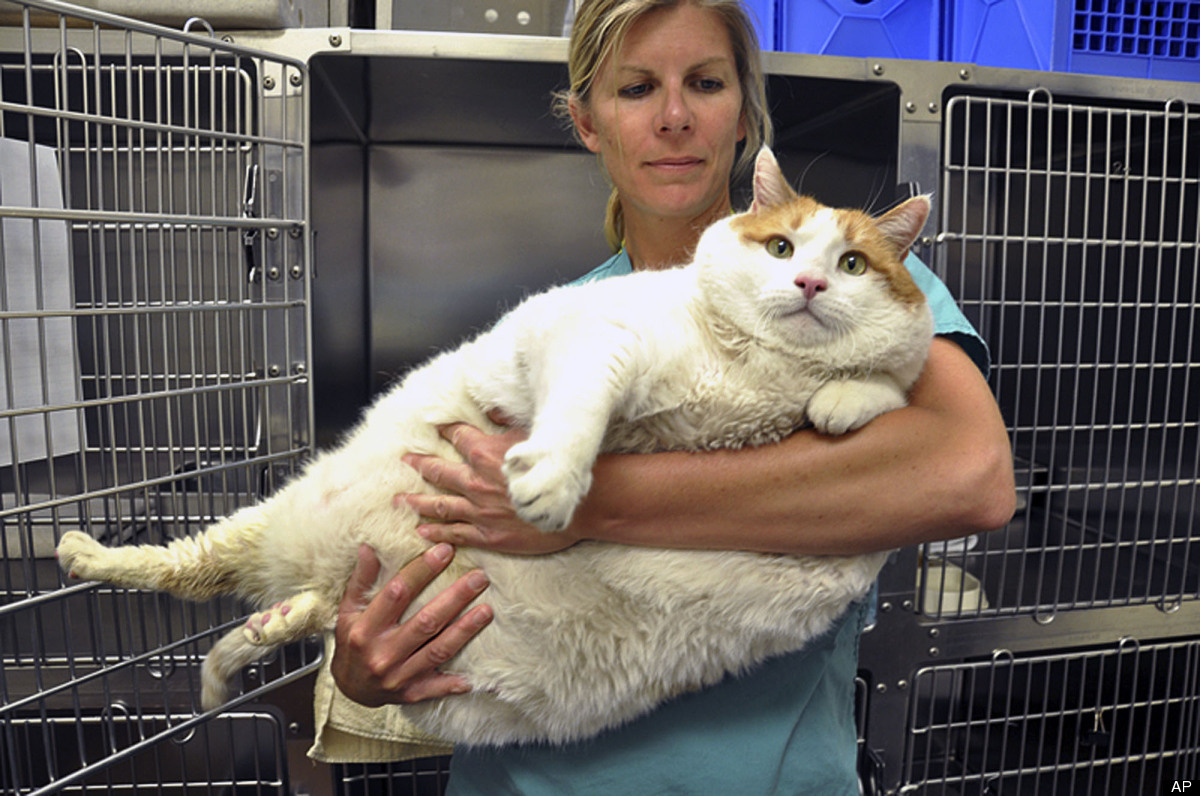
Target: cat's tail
x=299 y=616
x=232 y=653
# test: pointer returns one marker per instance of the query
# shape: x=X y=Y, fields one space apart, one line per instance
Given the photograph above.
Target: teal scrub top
x=785 y=727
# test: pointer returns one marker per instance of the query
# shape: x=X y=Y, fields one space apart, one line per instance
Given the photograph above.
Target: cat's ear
x=770 y=186
x=902 y=224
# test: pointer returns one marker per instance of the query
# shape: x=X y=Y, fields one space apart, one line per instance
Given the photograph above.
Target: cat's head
x=794 y=272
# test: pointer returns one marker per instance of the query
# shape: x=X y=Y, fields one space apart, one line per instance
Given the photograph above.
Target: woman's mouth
x=675 y=164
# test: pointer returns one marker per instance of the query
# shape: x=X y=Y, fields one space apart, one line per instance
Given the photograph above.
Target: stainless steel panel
x=463 y=232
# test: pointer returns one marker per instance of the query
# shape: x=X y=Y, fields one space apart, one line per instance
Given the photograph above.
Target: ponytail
x=614 y=222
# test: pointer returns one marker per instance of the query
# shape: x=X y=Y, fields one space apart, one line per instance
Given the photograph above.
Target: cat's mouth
x=802 y=310
x=796 y=304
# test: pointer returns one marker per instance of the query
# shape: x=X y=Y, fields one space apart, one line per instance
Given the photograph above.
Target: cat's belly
x=318 y=523
x=637 y=625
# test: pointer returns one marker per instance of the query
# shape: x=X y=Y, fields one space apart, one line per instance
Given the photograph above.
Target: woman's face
x=665 y=114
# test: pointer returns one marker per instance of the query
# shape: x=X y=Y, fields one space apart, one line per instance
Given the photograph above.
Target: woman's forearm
x=937 y=469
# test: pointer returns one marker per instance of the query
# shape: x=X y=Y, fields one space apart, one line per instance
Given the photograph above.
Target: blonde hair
x=600 y=27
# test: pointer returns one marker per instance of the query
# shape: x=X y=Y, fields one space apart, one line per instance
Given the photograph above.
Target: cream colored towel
x=347 y=732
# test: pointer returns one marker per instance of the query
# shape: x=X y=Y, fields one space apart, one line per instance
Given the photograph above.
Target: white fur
x=718 y=354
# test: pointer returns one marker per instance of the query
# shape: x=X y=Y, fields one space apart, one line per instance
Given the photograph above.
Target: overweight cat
x=791 y=314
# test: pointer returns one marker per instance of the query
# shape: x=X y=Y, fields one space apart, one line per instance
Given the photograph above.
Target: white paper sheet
x=39 y=365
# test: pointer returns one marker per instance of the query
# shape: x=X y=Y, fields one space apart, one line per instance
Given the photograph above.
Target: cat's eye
x=779 y=247
x=853 y=263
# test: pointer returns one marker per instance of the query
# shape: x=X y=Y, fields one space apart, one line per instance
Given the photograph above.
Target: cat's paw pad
x=292 y=619
x=81 y=556
x=544 y=485
x=268 y=627
x=841 y=406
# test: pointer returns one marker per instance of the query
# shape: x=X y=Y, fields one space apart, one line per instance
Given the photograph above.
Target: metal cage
x=153 y=323
x=1069 y=234
x=1057 y=655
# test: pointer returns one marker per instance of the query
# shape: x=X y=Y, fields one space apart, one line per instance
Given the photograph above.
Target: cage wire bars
x=1069 y=235
x=155 y=261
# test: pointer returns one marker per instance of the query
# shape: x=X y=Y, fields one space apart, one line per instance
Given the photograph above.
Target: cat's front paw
x=841 y=406
x=544 y=485
x=81 y=556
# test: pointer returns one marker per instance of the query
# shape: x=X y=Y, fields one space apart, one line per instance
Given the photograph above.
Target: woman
x=663 y=92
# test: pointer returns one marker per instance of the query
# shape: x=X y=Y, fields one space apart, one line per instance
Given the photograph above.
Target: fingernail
x=423 y=532
x=442 y=552
x=477 y=580
x=482 y=616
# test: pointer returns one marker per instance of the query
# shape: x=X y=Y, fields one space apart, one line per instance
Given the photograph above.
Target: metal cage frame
x=154 y=324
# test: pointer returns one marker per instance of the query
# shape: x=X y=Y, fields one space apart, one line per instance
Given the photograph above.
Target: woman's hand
x=477 y=511
x=377 y=659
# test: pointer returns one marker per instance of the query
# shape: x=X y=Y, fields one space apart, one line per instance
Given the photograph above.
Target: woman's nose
x=675 y=115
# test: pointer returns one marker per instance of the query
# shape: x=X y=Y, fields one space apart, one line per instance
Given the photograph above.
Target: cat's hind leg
x=194 y=568
x=298 y=616
x=83 y=558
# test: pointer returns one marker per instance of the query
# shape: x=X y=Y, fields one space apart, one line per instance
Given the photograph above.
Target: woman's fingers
x=378 y=659
x=419 y=677
x=366 y=570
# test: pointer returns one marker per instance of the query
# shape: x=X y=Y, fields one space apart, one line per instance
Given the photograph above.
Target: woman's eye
x=635 y=91
x=779 y=247
x=709 y=84
x=853 y=263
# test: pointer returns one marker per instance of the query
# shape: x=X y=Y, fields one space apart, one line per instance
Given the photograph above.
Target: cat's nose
x=810 y=285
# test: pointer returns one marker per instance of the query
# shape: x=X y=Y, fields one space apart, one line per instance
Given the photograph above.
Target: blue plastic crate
x=1018 y=34
x=866 y=28
x=1128 y=38
x=1147 y=38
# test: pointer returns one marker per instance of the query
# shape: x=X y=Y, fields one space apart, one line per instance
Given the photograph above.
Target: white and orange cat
x=791 y=314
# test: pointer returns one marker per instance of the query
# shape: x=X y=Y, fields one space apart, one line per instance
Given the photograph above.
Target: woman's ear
x=584 y=124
